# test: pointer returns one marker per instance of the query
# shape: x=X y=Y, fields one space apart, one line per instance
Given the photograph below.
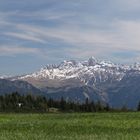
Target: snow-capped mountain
x=89 y=72
x=4 y=77
x=94 y=79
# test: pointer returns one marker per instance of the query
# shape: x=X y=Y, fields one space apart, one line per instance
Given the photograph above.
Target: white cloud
x=6 y=50
x=66 y=34
x=121 y=36
x=128 y=32
x=25 y=36
x=50 y=14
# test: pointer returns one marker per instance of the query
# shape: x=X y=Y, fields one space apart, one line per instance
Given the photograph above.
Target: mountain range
x=115 y=84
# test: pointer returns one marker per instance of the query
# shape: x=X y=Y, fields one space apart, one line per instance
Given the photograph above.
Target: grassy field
x=75 y=126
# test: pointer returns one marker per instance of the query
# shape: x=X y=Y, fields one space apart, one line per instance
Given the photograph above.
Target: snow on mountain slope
x=89 y=72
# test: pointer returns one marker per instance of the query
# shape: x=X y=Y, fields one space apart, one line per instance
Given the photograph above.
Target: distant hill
x=23 y=87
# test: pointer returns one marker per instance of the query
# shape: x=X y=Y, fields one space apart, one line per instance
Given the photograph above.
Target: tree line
x=16 y=102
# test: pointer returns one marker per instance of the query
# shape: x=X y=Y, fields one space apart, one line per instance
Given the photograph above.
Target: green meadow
x=70 y=126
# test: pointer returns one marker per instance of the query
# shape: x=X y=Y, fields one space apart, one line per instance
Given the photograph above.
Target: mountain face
x=97 y=80
x=127 y=91
x=7 y=86
x=91 y=73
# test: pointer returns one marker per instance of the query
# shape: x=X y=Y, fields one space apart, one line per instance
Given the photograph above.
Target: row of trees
x=16 y=102
x=22 y=103
x=30 y=103
x=78 y=107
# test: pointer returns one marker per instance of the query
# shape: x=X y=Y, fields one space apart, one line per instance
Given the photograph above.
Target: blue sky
x=36 y=33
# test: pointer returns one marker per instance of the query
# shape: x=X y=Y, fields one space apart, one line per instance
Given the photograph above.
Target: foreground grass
x=75 y=126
